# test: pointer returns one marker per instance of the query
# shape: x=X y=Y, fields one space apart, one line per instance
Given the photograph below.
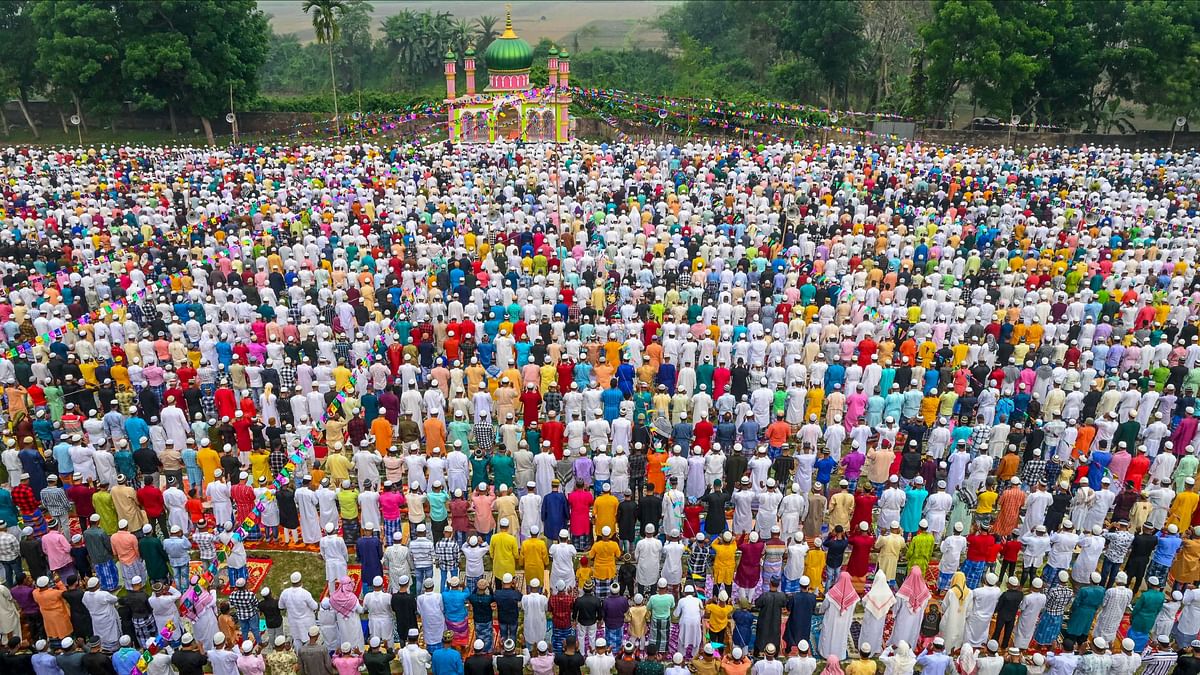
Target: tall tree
x=829 y=33
x=19 y=73
x=326 y=21
x=197 y=55
x=79 y=52
x=486 y=30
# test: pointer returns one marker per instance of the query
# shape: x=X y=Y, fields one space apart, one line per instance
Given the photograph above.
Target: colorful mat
x=355 y=573
x=257 y=569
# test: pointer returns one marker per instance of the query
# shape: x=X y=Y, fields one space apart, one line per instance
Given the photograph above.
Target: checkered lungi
x=1049 y=628
x=602 y=590
x=107 y=574
x=974 y=570
x=1155 y=569
x=207 y=401
x=128 y=572
x=236 y=573
x=144 y=629
x=944 y=580
x=582 y=542
x=390 y=527
x=350 y=532
x=558 y=636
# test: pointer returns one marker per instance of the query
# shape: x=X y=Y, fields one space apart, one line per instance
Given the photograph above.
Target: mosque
x=509 y=108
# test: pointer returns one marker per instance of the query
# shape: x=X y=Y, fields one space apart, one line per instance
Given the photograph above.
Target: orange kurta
x=54 y=610
x=655 y=479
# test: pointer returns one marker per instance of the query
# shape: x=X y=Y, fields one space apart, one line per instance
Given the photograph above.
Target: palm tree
x=326 y=18
x=485 y=31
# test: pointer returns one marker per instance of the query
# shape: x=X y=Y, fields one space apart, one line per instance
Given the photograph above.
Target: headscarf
x=902 y=660
x=915 y=591
x=880 y=598
x=958 y=586
x=842 y=593
x=833 y=665
x=966 y=659
x=344 y=599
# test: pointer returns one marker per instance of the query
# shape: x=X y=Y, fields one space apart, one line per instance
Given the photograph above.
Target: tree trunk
x=208 y=132
x=79 y=111
x=171 y=113
x=63 y=118
x=21 y=97
x=333 y=85
x=3 y=121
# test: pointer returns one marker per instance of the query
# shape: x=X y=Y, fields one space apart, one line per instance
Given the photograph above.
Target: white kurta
x=10 y=616
x=299 y=605
x=176 y=502
x=310 y=522
x=1031 y=611
x=689 y=611
x=337 y=558
x=954 y=619
x=433 y=616
x=106 y=623
x=907 y=626
x=979 y=613
x=379 y=615
x=835 y=632
x=349 y=627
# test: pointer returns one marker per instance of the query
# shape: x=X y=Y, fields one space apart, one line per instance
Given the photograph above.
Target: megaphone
x=230 y=117
x=193 y=218
x=1181 y=121
x=75 y=120
x=833 y=117
x=793 y=213
x=1014 y=120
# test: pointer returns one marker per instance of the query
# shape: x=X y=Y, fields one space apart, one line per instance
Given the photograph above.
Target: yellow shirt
x=987 y=501
x=724 y=561
x=604 y=556
x=338 y=467
x=209 y=462
x=814 y=567
x=534 y=558
x=718 y=616
x=604 y=510
x=504 y=554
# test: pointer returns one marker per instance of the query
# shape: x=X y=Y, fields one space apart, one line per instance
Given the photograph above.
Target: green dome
x=508 y=53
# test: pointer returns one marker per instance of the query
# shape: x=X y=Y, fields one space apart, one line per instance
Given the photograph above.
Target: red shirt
x=1012 y=550
x=864 y=504
x=860 y=554
x=1138 y=467
x=981 y=548
x=151 y=500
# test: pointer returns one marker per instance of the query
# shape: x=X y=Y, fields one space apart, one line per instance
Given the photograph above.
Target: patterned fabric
x=106 y=572
x=447 y=553
x=973 y=570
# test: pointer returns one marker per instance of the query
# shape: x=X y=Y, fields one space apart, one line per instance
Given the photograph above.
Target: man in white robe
x=690 y=613
x=327 y=505
x=218 y=494
x=310 y=522
x=1036 y=504
x=534 y=605
x=1091 y=547
x=378 y=604
x=980 y=609
x=1116 y=601
x=891 y=503
x=647 y=555
x=414 y=660
x=300 y=608
x=102 y=606
x=840 y=603
x=176 y=502
x=337 y=558
x=877 y=604
x=175 y=423
x=1029 y=613
x=562 y=561
x=937 y=507
x=433 y=615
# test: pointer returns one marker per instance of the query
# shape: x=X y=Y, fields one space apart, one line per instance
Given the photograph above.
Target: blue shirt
x=454 y=603
x=937 y=663
x=825 y=467
x=447 y=661
x=1168 y=546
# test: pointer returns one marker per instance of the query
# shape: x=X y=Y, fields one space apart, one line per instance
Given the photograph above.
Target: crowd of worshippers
x=636 y=408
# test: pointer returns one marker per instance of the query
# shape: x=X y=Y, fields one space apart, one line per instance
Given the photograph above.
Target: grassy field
x=557 y=20
x=310 y=565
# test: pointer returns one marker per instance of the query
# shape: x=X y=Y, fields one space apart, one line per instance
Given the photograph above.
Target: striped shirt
x=421 y=550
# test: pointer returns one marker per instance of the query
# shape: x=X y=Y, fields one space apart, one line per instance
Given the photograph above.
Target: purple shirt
x=615 y=607
x=583 y=470
x=23 y=595
x=852 y=464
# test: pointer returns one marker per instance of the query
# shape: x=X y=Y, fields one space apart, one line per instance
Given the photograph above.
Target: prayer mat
x=256 y=570
x=355 y=573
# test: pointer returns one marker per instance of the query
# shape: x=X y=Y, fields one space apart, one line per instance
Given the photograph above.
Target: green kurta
x=151 y=549
x=1145 y=611
x=920 y=551
x=1083 y=609
x=103 y=503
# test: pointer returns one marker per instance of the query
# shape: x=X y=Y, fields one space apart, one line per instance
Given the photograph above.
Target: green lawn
x=306 y=563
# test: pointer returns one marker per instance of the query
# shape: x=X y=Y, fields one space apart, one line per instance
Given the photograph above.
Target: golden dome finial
x=508 y=29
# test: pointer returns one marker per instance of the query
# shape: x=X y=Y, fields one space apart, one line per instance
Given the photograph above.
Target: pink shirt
x=581 y=514
x=57 y=549
x=484 y=521
x=346 y=665
x=252 y=664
